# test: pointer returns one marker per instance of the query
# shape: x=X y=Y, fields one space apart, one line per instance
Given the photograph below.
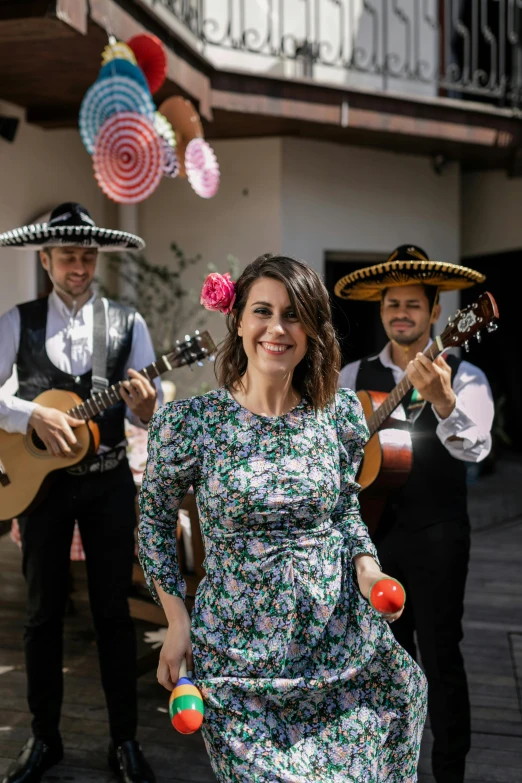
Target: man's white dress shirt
x=69 y=346
x=472 y=417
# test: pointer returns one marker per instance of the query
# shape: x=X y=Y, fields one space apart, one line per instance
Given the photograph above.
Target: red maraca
x=186 y=708
x=387 y=595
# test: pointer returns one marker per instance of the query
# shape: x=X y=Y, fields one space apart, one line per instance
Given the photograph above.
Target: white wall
x=350 y=199
x=39 y=170
x=243 y=219
x=491 y=216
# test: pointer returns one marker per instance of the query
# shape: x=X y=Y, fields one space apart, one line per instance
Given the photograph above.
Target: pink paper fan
x=128 y=158
x=202 y=168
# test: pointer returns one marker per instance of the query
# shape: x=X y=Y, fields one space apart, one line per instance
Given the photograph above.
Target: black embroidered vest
x=436 y=488
x=36 y=372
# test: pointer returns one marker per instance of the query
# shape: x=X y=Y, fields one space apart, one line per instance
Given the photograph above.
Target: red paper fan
x=128 y=158
x=151 y=57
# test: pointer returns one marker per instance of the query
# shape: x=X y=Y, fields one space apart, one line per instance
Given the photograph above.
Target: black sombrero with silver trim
x=70 y=225
x=407 y=265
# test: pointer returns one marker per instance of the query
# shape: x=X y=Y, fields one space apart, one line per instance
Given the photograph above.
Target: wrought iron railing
x=462 y=48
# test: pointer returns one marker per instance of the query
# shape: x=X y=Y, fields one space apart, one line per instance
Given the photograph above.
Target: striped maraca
x=387 y=595
x=186 y=708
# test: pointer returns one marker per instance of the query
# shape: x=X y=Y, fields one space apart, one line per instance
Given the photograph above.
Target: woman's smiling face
x=273 y=337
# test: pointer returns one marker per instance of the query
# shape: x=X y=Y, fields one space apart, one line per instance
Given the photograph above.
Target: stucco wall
x=349 y=199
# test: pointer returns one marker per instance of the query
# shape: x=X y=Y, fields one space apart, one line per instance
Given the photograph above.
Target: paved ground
x=492 y=647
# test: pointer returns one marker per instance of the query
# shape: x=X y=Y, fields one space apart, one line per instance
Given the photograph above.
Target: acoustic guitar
x=25 y=463
x=388 y=454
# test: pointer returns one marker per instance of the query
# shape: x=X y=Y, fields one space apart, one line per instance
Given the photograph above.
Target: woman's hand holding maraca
x=177 y=645
x=368 y=574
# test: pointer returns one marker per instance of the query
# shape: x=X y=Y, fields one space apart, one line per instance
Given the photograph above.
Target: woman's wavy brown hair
x=316 y=375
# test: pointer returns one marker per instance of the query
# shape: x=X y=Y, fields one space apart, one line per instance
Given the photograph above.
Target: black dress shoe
x=35 y=758
x=129 y=764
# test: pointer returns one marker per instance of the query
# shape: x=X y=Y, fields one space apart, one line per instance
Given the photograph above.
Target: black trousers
x=104 y=506
x=432 y=564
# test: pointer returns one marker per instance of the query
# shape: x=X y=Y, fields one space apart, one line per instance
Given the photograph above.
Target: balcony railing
x=456 y=48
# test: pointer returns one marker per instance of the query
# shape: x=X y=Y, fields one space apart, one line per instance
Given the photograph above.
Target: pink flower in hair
x=218 y=293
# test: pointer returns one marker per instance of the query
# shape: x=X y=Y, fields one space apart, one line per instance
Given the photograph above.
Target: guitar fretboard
x=393 y=400
x=112 y=394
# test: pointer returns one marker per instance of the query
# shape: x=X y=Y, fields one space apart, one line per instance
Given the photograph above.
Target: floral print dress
x=303 y=681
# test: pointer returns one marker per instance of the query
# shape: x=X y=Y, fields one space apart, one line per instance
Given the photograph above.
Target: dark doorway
x=358 y=324
x=498 y=353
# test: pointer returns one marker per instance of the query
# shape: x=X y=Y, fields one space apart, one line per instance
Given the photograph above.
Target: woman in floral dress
x=302 y=679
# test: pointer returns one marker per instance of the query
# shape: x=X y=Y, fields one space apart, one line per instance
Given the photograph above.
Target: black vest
x=436 y=488
x=36 y=372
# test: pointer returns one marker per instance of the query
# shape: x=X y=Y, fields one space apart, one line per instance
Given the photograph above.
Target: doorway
x=498 y=353
x=358 y=324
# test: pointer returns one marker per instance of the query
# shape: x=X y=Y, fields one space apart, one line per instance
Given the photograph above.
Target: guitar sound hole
x=37 y=442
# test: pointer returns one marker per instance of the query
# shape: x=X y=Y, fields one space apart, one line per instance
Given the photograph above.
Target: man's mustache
x=402 y=321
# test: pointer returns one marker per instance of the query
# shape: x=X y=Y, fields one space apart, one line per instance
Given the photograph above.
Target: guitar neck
x=395 y=397
x=110 y=396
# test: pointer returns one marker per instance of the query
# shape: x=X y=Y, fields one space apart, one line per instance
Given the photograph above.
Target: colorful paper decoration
x=186 y=123
x=118 y=51
x=129 y=158
x=123 y=68
x=105 y=98
x=171 y=165
x=164 y=128
x=151 y=57
x=202 y=168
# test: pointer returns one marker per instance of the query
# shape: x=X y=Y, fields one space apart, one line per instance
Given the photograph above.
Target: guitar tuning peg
x=212 y=358
x=200 y=364
x=492 y=327
x=478 y=336
x=197 y=332
x=466 y=346
x=187 y=337
x=177 y=342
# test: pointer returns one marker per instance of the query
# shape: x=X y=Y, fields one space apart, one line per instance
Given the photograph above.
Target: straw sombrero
x=407 y=265
x=70 y=225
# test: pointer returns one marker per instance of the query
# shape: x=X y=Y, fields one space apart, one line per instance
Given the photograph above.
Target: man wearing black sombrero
x=423 y=536
x=54 y=343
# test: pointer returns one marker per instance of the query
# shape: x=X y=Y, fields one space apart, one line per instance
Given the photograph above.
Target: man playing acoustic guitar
x=423 y=536
x=54 y=342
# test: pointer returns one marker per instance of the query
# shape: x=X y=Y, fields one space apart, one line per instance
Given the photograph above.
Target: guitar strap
x=99 y=347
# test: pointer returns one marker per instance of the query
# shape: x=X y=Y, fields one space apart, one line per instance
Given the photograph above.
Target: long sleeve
x=352 y=435
x=14 y=412
x=172 y=467
x=466 y=432
x=348 y=375
x=141 y=355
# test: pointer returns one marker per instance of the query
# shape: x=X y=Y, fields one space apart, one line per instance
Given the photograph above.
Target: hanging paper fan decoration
x=123 y=68
x=164 y=129
x=129 y=158
x=151 y=57
x=202 y=168
x=105 y=98
x=171 y=165
x=118 y=51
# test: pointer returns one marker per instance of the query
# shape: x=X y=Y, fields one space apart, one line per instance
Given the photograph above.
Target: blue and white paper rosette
x=108 y=96
x=119 y=67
